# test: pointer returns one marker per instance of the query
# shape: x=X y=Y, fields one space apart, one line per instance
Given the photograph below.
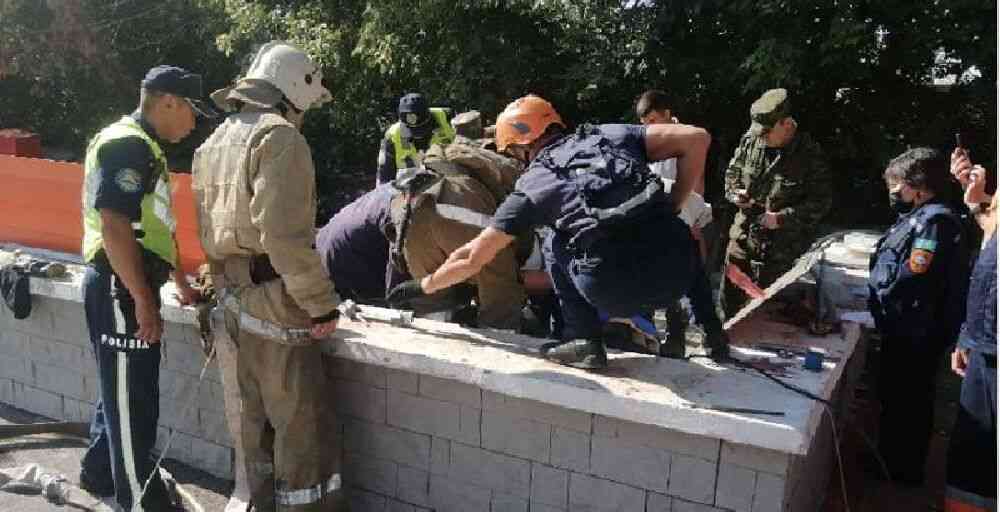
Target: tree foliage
x=859 y=70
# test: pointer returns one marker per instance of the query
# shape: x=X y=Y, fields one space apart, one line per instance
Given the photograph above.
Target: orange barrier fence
x=40 y=207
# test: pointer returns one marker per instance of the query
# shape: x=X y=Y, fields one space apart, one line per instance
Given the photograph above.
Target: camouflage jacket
x=797 y=184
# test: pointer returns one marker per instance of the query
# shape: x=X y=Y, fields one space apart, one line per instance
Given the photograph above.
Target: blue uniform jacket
x=979 y=332
x=919 y=275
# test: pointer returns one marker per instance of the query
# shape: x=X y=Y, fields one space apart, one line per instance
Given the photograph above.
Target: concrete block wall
x=47 y=366
x=418 y=443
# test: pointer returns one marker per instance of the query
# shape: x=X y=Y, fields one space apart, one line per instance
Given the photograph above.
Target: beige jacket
x=255 y=188
x=454 y=212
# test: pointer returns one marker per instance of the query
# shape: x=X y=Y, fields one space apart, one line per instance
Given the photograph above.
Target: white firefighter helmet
x=290 y=69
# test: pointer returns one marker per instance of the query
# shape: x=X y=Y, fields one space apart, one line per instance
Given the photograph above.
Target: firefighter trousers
x=287 y=429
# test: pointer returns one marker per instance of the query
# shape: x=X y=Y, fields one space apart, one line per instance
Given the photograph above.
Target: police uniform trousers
x=907 y=374
x=972 y=464
x=626 y=274
x=291 y=457
x=123 y=428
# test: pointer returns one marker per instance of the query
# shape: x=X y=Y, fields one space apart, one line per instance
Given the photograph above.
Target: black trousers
x=972 y=462
x=123 y=429
x=907 y=375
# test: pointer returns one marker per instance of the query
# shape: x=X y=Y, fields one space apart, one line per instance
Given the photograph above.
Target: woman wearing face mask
x=917 y=287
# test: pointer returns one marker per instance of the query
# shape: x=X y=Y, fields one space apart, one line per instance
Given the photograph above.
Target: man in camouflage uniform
x=782 y=185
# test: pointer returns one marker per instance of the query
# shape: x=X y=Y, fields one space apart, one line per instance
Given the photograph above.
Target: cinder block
x=451 y=496
x=400 y=380
x=656 y=502
x=769 y=495
x=605 y=426
x=346 y=369
x=213 y=427
x=15 y=368
x=211 y=396
x=491 y=470
x=541 y=507
x=75 y=410
x=388 y=443
x=398 y=506
x=370 y=473
x=183 y=357
x=687 y=506
x=570 y=450
x=61 y=381
x=181 y=447
x=364 y=501
x=692 y=478
x=657 y=437
x=211 y=457
x=507 y=503
x=450 y=391
x=6 y=391
x=549 y=486
x=589 y=494
x=40 y=402
x=359 y=400
x=414 y=486
x=735 y=488
x=559 y=416
x=177 y=415
x=91 y=387
x=440 y=455
x=12 y=343
x=759 y=459
x=442 y=419
x=633 y=464
x=70 y=324
x=56 y=353
x=516 y=436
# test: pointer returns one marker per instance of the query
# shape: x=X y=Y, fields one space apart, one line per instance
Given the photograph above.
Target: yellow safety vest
x=157 y=218
x=443 y=134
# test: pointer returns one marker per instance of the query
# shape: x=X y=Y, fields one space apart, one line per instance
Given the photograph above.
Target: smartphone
x=958 y=140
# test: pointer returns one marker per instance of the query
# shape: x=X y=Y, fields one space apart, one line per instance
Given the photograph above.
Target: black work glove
x=405 y=292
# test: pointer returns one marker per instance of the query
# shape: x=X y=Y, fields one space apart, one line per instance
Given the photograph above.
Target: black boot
x=586 y=354
x=717 y=341
x=102 y=488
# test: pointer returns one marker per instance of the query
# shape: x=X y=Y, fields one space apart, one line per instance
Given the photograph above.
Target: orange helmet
x=524 y=120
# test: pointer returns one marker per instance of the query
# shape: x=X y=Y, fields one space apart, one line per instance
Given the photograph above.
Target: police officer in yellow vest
x=130 y=251
x=406 y=140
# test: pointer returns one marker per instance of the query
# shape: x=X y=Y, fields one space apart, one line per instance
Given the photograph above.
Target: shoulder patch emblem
x=920 y=261
x=128 y=180
x=925 y=244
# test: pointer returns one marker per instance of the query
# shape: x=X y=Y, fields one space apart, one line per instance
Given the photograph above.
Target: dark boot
x=586 y=354
x=717 y=342
x=673 y=347
x=102 y=488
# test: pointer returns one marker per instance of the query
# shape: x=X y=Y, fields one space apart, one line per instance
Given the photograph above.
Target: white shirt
x=666 y=169
x=695 y=212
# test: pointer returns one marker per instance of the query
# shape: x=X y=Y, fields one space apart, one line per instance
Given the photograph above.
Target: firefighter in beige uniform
x=468 y=183
x=255 y=190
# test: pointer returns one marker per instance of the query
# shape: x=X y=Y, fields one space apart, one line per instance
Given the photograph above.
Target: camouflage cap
x=468 y=124
x=771 y=107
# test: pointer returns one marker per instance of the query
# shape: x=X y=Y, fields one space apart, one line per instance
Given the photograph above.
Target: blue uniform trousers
x=123 y=429
x=972 y=463
x=907 y=374
x=625 y=275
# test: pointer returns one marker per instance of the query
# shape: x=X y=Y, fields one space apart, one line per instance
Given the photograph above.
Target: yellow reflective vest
x=444 y=134
x=156 y=222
